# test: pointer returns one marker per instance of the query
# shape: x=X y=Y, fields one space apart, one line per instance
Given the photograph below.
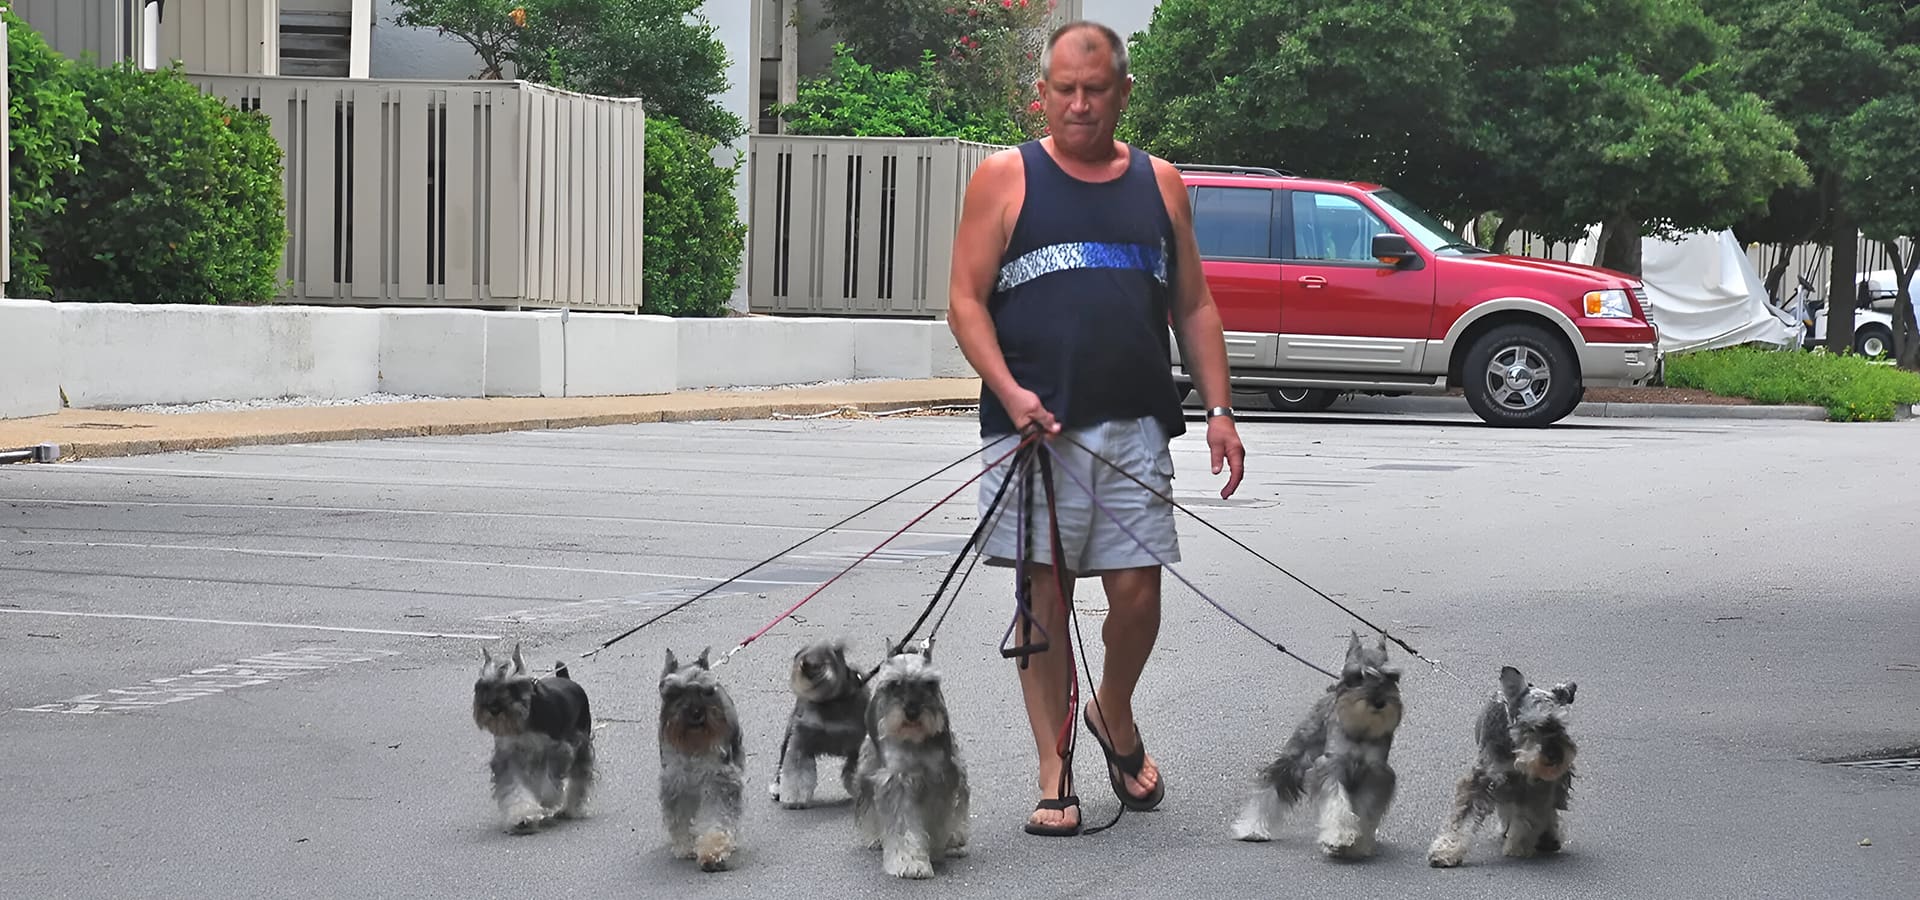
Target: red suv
x=1330 y=287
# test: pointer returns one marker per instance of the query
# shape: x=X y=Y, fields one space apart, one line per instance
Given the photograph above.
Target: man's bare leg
x=1132 y=626
x=1044 y=682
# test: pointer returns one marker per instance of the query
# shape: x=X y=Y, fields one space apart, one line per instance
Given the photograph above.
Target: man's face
x=1081 y=94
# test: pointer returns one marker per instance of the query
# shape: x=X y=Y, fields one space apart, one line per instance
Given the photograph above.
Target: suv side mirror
x=1393 y=249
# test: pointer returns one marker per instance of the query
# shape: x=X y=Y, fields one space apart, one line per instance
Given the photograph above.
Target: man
x=1071 y=254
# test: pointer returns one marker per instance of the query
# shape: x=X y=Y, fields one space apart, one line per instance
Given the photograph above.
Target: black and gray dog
x=542 y=741
x=829 y=719
x=1337 y=756
x=1524 y=772
x=911 y=796
x=702 y=764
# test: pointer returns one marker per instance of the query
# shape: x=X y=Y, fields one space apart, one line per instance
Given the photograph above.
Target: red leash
x=863 y=557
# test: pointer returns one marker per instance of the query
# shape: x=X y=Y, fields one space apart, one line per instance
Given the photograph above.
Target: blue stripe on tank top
x=1083 y=255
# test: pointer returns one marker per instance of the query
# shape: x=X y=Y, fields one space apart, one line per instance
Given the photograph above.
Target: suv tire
x=1520 y=376
x=1290 y=399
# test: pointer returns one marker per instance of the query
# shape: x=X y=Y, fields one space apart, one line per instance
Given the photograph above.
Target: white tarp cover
x=1704 y=292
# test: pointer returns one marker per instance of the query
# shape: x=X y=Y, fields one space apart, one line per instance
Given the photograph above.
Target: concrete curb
x=215 y=437
x=1457 y=405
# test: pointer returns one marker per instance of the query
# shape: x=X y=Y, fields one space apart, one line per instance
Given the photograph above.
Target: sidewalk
x=93 y=433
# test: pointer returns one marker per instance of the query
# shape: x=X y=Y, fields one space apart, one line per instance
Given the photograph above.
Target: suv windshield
x=1421 y=224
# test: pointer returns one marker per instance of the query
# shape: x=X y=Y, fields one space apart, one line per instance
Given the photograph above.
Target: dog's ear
x=486 y=663
x=926 y=650
x=1564 y=693
x=702 y=661
x=673 y=664
x=519 y=667
x=1512 y=683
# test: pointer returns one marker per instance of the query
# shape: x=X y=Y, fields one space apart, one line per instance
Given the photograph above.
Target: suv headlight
x=1608 y=305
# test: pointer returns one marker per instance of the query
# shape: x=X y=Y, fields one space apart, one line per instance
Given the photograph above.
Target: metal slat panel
x=413 y=177
x=369 y=226
x=322 y=195
x=507 y=174
x=463 y=220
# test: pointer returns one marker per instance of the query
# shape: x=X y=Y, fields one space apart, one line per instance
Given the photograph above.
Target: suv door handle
x=1313 y=281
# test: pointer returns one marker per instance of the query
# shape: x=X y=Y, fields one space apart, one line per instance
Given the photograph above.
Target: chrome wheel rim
x=1518 y=378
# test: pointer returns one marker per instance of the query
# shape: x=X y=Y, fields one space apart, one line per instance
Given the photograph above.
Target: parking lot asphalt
x=246 y=672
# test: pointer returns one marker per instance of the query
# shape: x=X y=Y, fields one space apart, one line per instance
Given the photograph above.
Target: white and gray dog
x=829 y=719
x=1524 y=772
x=1337 y=756
x=910 y=796
x=702 y=764
x=542 y=741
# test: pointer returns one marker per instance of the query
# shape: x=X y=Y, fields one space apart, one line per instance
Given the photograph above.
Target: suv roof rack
x=1235 y=170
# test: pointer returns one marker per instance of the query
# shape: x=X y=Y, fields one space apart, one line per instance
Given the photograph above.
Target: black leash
x=869 y=508
x=1257 y=554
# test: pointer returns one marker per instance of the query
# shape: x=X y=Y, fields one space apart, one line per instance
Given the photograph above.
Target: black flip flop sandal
x=1130 y=764
x=1059 y=805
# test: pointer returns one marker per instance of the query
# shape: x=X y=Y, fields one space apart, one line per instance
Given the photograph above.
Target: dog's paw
x=714 y=851
x=525 y=824
x=1447 y=850
x=908 y=867
x=1519 y=849
x=1548 y=843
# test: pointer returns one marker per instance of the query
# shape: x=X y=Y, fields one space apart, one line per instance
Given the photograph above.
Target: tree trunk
x=1906 y=344
x=1842 y=283
x=1778 y=272
x=1620 y=247
x=1503 y=234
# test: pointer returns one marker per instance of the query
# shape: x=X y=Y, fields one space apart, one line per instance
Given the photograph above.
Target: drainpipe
x=150 y=11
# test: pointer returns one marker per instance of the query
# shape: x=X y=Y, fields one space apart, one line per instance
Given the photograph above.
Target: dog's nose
x=1553 y=755
x=913 y=711
x=1378 y=703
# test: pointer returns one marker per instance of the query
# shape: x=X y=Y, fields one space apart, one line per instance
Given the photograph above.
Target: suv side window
x=1235 y=223
x=1333 y=227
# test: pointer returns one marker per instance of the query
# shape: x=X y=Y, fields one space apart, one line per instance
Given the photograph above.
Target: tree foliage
x=693 y=234
x=1474 y=106
x=662 y=51
x=975 y=60
x=1880 y=162
x=856 y=99
x=1816 y=62
x=47 y=126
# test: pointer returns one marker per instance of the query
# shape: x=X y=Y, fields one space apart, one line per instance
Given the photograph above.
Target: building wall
x=416 y=52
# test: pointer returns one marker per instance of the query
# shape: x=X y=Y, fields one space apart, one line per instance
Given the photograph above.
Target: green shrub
x=855 y=99
x=179 y=200
x=1852 y=389
x=48 y=125
x=693 y=231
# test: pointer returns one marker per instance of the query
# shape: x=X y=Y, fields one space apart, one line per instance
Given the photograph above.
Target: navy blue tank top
x=1082 y=302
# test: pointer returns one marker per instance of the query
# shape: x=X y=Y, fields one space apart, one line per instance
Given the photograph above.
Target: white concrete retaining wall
x=118 y=354
x=29 y=358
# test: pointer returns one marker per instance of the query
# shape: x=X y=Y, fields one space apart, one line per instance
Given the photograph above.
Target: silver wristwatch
x=1220 y=411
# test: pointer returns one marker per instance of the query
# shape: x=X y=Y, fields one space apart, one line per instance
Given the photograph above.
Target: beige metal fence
x=854 y=226
x=497 y=194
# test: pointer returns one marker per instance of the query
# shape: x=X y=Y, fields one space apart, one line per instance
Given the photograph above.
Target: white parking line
x=562 y=517
x=359 y=557
x=265 y=668
x=288 y=625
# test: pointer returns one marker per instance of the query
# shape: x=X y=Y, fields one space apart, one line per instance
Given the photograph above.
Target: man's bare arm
x=1196 y=324
x=978 y=242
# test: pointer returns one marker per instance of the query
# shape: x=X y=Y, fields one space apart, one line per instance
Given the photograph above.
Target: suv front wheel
x=1520 y=376
x=1298 y=399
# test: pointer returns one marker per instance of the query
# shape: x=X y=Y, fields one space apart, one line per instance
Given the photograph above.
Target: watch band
x=1220 y=411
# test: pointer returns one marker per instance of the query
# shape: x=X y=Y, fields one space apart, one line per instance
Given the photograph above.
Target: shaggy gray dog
x=1524 y=772
x=542 y=741
x=910 y=796
x=829 y=719
x=702 y=764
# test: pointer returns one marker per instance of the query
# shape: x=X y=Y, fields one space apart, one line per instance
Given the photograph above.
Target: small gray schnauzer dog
x=829 y=719
x=702 y=764
x=1338 y=757
x=542 y=741
x=910 y=796
x=1524 y=772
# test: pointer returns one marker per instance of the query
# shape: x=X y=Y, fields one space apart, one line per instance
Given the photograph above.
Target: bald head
x=1086 y=37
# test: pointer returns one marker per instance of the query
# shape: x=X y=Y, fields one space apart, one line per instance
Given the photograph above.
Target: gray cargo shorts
x=1090 y=538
